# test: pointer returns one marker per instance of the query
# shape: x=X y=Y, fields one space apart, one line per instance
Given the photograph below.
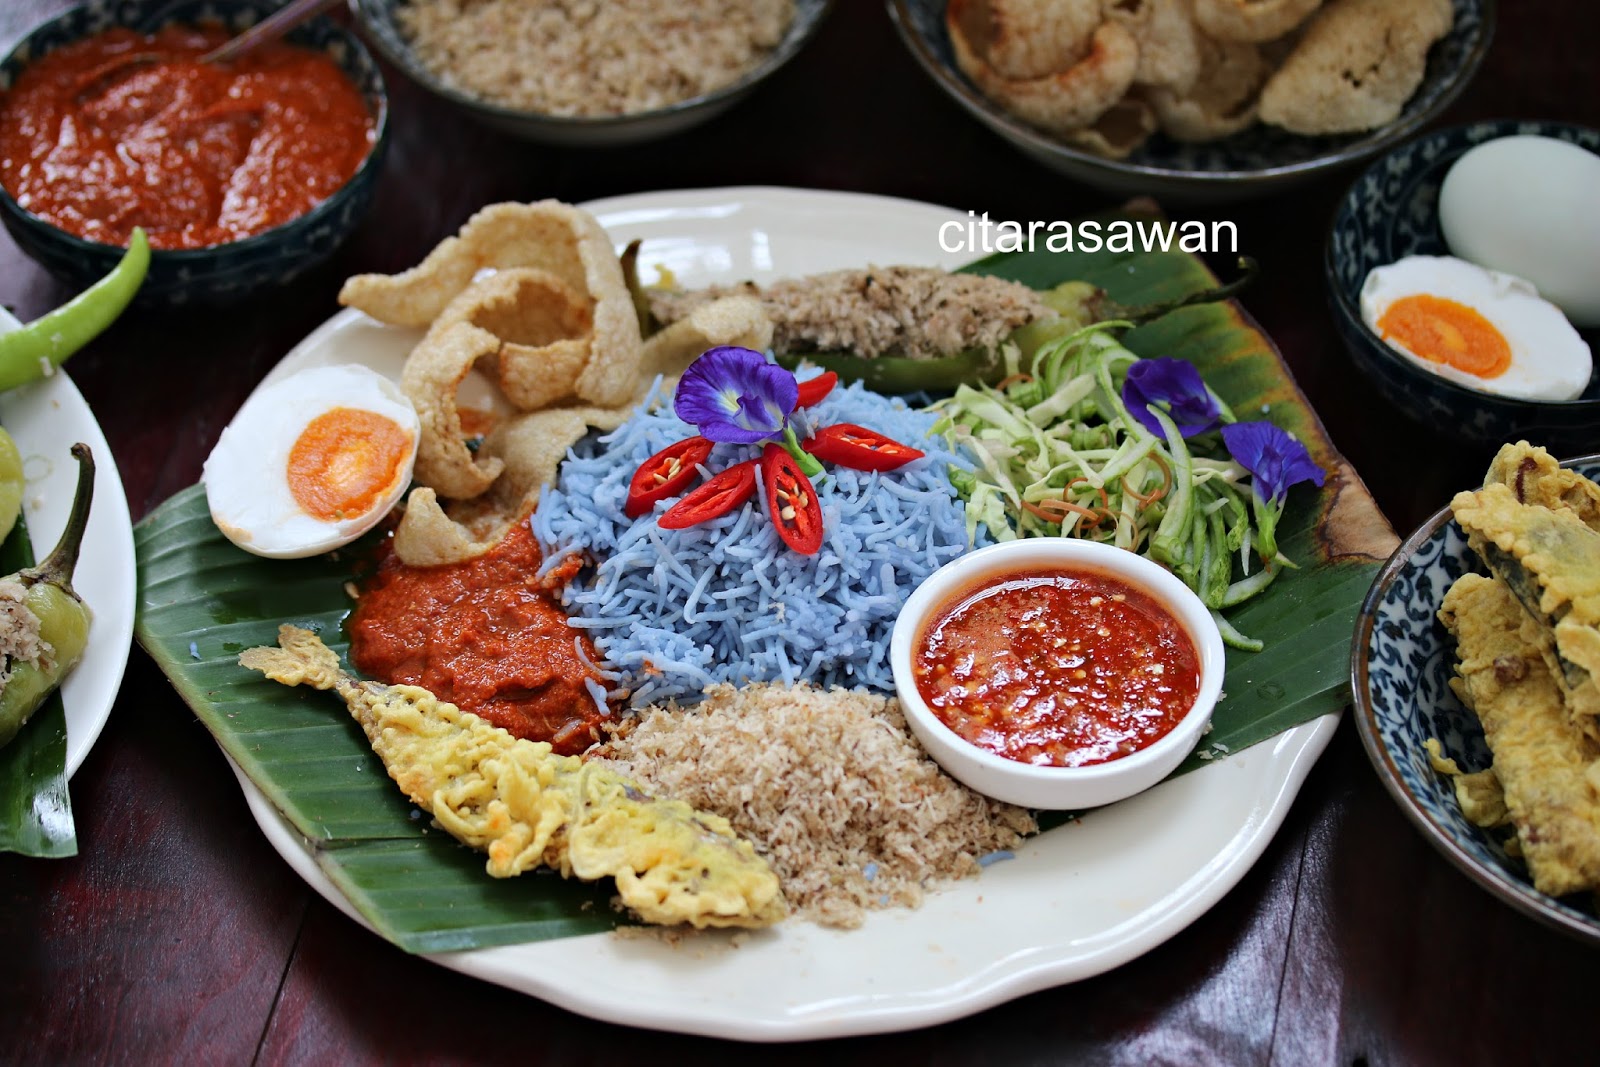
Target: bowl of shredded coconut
x=577 y=72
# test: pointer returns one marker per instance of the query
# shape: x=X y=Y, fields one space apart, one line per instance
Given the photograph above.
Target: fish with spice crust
x=527 y=806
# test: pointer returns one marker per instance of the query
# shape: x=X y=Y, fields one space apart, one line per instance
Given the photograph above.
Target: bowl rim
x=1519 y=893
x=1347 y=310
x=1372 y=144
x=794 y=41
x=180 y=257
x=1046 y=553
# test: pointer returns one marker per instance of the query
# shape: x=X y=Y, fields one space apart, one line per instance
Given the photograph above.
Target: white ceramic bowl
x=1047 y=787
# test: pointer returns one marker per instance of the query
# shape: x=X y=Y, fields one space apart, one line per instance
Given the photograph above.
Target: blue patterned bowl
x=1392 y=211
x=1248 y=164
x=221 y=273
x=379 y=24
x=1401 y=662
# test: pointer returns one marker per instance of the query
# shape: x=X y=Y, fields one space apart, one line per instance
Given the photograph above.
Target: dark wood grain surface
x=179 y=936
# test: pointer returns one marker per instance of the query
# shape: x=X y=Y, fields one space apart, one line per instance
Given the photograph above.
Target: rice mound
x=674 y=611
x=829 y=786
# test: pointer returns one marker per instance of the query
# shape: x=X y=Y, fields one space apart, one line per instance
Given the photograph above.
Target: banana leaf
x=35 y=810
x=202 y=601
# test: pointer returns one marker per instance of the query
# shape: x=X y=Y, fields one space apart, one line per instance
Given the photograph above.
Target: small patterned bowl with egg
x=1392 y=212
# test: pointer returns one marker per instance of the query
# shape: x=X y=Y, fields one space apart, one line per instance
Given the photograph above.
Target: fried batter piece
x=1125 y=126
x=1223 y=98
x=1545 y=766
x=1064 y=99
x=1169 y=41
x=1356 y=65
x=1021 y=39
x=525 y=805
x=1251 y=21
x=1537 y=478
x=1550 y=561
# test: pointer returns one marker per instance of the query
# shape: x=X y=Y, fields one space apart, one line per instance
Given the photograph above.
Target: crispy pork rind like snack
x=1064 y=100
x=1252 y=21
x=731 y=320
x=1356 y=65
x=1222 y=100
x=1169 y=41
x=1114 y=135
x=1022 y=39
x=431 y=378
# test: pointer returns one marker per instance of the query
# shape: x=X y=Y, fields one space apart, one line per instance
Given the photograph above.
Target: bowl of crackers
x=1199 y=100
x=590 y=75
x=1471 y=669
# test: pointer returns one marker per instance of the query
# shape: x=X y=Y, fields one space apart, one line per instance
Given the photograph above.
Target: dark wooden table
x=179 y=936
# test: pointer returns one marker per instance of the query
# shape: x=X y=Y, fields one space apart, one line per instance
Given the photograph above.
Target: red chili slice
x=665 y=474
x=717 y=497
x=814 y=389
x=791 y=500
x=859 y=448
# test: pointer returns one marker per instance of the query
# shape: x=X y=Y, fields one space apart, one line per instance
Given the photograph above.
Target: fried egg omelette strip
x=1545 y=765
x=525 y=805
x=1550 y=560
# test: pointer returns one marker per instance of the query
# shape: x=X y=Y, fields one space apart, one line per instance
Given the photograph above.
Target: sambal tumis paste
x=1057 y=668
x=123 y=129
x=484 y=634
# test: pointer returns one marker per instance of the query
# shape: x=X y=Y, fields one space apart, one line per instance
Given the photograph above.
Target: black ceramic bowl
x=379 y=24
x=220 y=273
x=1392 y=211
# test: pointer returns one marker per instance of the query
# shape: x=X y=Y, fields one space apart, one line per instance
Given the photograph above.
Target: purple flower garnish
x=1175 y=386
x=734 y=395
x=1274 y=459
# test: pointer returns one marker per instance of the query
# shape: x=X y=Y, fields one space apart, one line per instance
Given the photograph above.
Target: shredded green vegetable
x=1057 y=453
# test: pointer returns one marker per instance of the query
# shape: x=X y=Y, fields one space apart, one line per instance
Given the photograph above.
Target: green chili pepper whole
x=37 y=349
x=11 y=484
x=62 y=614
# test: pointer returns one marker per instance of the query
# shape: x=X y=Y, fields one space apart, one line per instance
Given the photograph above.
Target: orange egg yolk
x=1443 y=331
x=345 y=461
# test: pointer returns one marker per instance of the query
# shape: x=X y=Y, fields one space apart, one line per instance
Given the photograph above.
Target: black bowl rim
x=1351 y=314
x=1364 y=148
x=180 y=257
x=791 y=45
x=1519 y=894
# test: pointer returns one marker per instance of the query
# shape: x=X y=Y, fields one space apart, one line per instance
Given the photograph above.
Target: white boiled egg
x=312 y=462
x=1530 y=206
x=1482 y=329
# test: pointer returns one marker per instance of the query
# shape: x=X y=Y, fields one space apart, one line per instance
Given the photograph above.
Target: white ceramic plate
x=1073 y=903
x=45 y=419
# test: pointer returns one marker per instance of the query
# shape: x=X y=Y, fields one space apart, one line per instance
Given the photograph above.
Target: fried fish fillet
x=1550 y=561
x=1545 y=765
x=525 y=805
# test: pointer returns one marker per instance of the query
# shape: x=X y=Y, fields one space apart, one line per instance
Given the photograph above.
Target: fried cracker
x=731 y=320
x=1222 y=100
x=1251 y=21
x=1064 y=100
x=1168 y=38
x=1021 y=39
x=431 y=378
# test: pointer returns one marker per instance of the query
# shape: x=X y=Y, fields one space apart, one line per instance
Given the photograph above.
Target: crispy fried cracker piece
x=1550 y=561
x=427 y=537
x=1025 y=38
x=1222 y=100
x=1114 y=135
x=1537 y=478
x=431 y=377
x=1251 y=21
x=730 y=320
x=1063 y=100
x=1541 y=760
x=1356 y=65
x=1169 y=41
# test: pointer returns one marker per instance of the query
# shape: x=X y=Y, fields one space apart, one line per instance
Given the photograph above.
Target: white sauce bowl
x=1049 y=787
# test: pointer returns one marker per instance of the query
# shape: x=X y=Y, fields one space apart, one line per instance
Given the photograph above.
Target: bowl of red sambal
x=1056 y=673
x=243 y=174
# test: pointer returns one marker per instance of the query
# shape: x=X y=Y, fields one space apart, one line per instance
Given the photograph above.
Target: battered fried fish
x=1537 y=478
x=525 y=805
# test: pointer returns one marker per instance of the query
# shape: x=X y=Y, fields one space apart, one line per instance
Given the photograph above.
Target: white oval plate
x=46 y=418
x=1074 y=902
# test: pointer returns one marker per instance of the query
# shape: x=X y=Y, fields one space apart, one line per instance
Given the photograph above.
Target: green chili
x=11 y=483
x=37 y=349
x=62 y=615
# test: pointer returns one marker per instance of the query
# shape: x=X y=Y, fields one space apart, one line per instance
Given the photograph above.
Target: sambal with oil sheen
x=1057 y=668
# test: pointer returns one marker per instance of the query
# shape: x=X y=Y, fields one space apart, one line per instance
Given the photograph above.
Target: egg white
x=246 y=475
x=1549 y=360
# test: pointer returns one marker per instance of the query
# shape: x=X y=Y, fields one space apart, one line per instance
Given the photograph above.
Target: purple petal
x=734 y=394
x=1175 y=386
x=1274 y=459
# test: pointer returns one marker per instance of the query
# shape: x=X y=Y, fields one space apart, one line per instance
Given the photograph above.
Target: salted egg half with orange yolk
x=1483 y=329
x=312 y=462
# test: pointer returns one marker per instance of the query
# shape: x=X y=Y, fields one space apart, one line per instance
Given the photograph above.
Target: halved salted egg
x=1480 y=328
x=312 y=462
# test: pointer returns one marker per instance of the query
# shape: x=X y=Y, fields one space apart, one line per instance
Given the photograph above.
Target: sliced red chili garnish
x=665 y=474
x=814 y=389
x=859 y=448
x=791 y=500
x=716 y=497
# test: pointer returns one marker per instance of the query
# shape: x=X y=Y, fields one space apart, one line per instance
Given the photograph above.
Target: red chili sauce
x=1057 y=668
x=121 y=130
x=485 y=635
